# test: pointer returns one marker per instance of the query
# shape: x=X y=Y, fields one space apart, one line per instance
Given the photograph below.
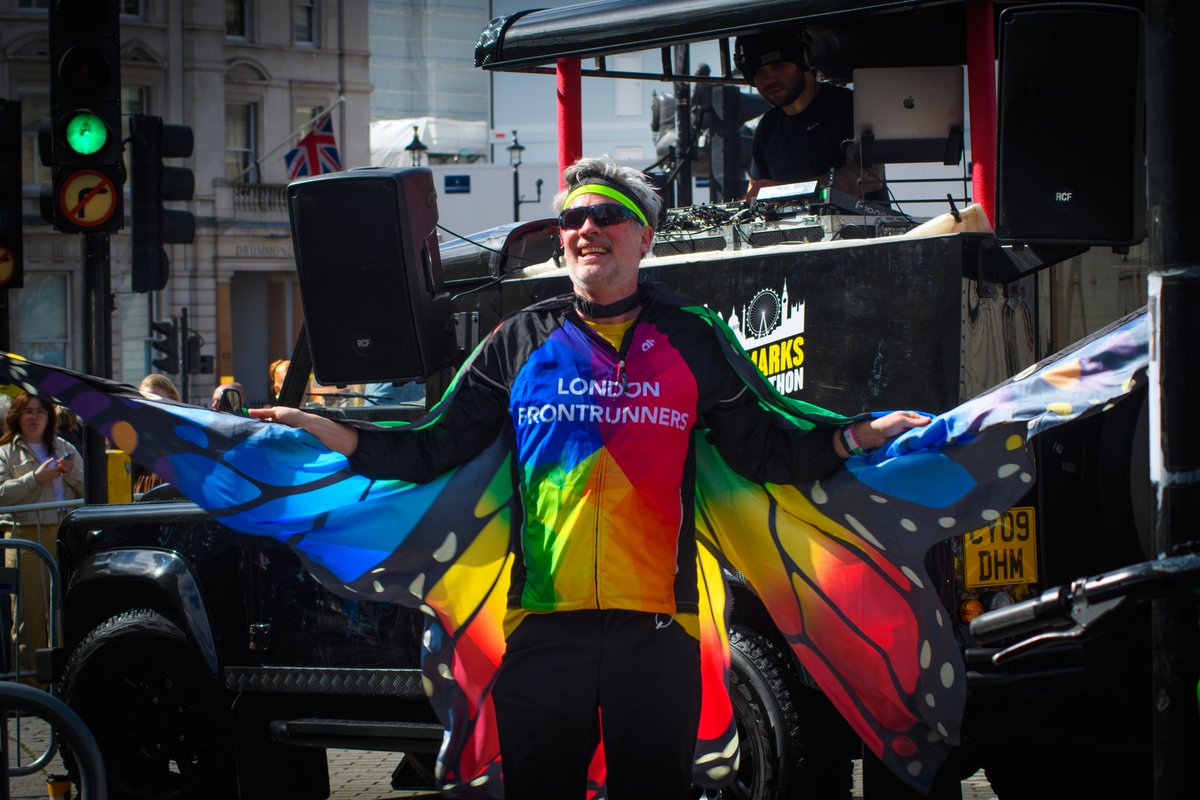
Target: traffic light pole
x=1174 y=294
x=97 y=353
x=185 y=363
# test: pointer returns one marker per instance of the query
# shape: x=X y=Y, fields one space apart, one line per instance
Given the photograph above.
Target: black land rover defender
x=205 y=660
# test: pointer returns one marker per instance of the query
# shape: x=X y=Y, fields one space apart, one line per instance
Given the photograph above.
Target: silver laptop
x=909 y=104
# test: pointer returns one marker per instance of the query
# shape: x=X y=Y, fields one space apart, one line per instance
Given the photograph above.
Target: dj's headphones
x=758 y=49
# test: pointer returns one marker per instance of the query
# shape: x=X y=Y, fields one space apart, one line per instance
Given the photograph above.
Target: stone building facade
x=246 y=75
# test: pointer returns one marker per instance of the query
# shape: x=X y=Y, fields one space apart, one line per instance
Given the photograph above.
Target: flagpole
x=258 y=161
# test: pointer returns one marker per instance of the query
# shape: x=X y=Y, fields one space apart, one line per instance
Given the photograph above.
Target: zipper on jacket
x=622 y=381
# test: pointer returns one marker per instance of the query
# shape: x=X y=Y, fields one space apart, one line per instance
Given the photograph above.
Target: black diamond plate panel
x=321 y=680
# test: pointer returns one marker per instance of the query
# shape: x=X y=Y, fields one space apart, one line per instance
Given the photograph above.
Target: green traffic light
x=86 y=133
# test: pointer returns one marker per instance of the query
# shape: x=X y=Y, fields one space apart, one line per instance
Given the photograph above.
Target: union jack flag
x=316 y=152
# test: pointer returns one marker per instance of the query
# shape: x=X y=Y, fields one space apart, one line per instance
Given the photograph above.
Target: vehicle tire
x=162 y=721
x=787 y=748
x=1014 y=775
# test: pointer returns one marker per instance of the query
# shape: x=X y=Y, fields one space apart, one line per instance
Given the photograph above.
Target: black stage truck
x=209 y=663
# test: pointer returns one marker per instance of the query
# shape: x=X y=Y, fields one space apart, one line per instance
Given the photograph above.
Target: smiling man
x=599 y=394
x=807 y=133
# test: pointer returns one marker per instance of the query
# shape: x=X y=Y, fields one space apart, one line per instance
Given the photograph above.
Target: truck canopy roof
x=845 y=34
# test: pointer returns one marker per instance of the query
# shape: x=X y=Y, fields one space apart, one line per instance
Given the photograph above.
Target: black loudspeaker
x=375 y=309
x=1071 y=126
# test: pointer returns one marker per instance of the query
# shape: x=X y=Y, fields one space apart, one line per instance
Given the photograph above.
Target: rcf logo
x=1064 y=198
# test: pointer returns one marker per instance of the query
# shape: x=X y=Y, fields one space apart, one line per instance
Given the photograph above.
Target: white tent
x=443 y=136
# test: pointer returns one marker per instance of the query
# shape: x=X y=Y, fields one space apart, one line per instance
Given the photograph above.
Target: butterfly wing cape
x=838 y=562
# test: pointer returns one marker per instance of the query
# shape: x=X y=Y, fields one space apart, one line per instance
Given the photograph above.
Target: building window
x=304 y=115
x=35 y=104
x=237 y=19
x=627 y=91
x=240 y=134
x=305 y=16
x=131 y=8
x=44 y=317
x=41 y=4
x=133 y=101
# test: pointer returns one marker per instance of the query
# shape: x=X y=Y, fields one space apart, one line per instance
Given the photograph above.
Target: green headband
x=607 y=191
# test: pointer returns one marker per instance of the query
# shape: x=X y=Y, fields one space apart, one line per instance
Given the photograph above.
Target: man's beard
x=795 y=92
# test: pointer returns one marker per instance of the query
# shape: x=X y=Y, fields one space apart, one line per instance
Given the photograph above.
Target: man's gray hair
x=636 y=184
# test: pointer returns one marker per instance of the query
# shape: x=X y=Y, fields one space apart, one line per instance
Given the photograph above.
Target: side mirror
x=230 y=400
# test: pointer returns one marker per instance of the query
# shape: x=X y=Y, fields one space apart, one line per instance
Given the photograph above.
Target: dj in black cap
x=804 y=135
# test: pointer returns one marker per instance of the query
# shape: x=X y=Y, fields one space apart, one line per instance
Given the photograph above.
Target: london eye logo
x=771 y=329
x=762 y=316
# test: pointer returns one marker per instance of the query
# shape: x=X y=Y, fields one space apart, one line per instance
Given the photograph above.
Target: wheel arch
x=105 y=584
x=749 y=612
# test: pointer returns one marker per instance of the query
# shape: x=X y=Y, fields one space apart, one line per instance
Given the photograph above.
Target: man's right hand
x=284 y=415
x=758 y=183
x=337 y=437
x=847 y=179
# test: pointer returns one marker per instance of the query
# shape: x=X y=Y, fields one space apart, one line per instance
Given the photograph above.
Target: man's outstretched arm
x=334 y=435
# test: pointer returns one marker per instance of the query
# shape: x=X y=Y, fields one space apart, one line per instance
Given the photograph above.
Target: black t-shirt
x=804 y=146
x=807 y=145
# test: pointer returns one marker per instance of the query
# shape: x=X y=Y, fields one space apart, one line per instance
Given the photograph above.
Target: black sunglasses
x=604 y=214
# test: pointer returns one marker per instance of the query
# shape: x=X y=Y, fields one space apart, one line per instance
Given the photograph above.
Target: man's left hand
x=877 y=432
x=870 y=434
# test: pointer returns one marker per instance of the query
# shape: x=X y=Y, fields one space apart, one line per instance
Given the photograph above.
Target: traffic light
x=168 y=344
x=153 y=184
x=194 y=363
x=11 y=275
x=84 y=135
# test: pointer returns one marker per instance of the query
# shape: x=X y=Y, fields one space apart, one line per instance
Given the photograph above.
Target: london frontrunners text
x=566 y=412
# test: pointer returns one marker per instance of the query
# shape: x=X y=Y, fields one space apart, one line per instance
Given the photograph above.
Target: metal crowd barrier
x=31 y=702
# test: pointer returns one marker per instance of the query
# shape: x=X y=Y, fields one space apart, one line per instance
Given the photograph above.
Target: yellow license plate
x=1004 y=552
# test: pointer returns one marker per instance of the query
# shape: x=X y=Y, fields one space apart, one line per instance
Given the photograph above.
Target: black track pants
x=566 y=673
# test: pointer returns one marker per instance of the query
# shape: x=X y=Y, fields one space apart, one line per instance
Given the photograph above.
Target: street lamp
x=514 y=158
x=416 y=147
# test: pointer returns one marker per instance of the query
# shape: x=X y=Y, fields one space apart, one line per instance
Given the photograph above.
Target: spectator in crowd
x=159 y=386
x=276 y=373
x=69 y=428
x=5 y=401
x=36 y=467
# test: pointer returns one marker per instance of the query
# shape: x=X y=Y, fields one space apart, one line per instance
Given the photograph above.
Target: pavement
x=353 y=774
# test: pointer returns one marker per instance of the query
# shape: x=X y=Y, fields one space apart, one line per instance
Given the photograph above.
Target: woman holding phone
x=36 y=466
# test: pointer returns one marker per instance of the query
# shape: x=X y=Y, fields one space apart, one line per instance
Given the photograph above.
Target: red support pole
x=981 y=88
x=570 y=114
